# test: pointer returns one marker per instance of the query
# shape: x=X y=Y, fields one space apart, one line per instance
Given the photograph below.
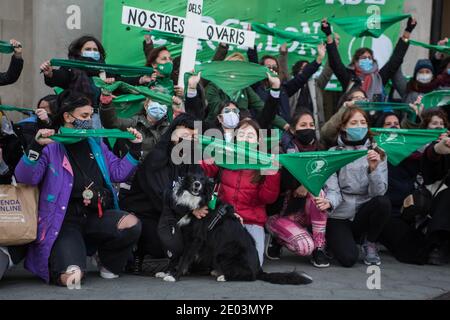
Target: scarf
x=371 y=80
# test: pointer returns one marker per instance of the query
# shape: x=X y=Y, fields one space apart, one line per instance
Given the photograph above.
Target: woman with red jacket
x=248 y=191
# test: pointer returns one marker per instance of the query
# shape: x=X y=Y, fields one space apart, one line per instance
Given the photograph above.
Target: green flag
x=443 y=49
x=436 y=99
x=6 y=47
x=129 y=104
x=312 y=169
x=386 y=107
x=288 y=36
x=363 y=26
x=232 y=76
x=11 y=108
x=109 y=68
x=71 y=136
x=233 y=156
x=401 y=143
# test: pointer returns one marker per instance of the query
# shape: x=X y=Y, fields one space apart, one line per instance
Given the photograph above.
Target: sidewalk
x=398 y=281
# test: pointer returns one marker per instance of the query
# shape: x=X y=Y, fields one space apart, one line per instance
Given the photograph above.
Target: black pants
x=149 y=242
x=407 y=244
x=369 y=221
x=83 y=231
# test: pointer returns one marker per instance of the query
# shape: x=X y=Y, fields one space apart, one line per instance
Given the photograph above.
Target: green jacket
x=151 y=134
x=247 y=100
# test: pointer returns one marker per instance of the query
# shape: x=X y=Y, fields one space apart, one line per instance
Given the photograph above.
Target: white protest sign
x=147 y=19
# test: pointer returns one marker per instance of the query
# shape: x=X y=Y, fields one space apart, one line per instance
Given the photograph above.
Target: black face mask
x=306 y=136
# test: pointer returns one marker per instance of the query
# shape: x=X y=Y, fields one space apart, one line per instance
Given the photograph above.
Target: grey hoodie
x=353 y=185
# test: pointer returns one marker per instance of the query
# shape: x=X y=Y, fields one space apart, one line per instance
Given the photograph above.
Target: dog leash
x=220 y=214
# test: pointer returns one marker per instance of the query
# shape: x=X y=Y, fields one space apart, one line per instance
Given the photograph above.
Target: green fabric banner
x=109 y=68
x=11 y=108
x=443 y=49
x=289 y=15
x=71 y=136
x=386 y=107
x=233 y=156
x=288 y=36
x=436 y=99
x=232 y=76
x=6 y=47
x=312 y=169
x=129 y=104
x=361 y=27
x=399 y=144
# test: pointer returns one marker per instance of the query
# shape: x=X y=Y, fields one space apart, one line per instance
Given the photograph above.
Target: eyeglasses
x=228 y=110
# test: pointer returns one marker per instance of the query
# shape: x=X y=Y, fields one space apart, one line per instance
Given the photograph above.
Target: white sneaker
x=106 y=274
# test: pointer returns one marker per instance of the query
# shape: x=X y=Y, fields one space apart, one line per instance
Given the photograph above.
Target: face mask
x=165 y=69
x=230 y=120
x=448 y=71
x=91 y=54
x=306 y=136
x=356 y=134
x=83 y=124
x=156 y=111
x=424 y=77
x=366 y=64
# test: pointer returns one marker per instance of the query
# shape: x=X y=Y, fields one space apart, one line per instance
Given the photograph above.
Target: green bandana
x=443 y=49
x=71 y=136
x=236 y=156
x=231 y=76
x=386 y=107
x=6 y=47
x=172 y=38
x=312 y=169
x=288 y=36
x=109 y=68
x=165 y=69
x=11 y=108
x=132 y=103
x=436 y=99
x=357 y=26
x=399 y=144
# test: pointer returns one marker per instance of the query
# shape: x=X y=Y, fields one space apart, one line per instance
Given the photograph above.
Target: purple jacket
x=53 y=174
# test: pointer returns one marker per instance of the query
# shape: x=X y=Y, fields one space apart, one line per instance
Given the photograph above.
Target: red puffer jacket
x=248 y=199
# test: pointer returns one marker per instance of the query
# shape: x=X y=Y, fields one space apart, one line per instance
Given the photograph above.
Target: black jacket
x=346 y=75
x=155 y=175
x=13 y=73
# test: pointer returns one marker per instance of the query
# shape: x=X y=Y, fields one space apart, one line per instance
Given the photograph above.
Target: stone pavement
x=398 y=281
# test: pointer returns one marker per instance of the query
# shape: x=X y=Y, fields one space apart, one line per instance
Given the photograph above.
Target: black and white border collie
x=219 y=240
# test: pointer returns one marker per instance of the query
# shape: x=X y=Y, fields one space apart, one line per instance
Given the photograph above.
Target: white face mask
x=230 y=120
x=424 y=77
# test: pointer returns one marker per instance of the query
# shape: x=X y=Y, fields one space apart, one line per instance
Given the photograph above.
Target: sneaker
x=273 y=248
x=437 y=257
x=371 y=254
x=106 y=274
x=320 y=259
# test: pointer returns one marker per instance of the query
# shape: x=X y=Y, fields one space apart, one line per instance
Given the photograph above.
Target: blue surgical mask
x=357 y=133
x=448 y=71
x=83 y=124
x=91 y=54
x=156 y=110
x=366 y=64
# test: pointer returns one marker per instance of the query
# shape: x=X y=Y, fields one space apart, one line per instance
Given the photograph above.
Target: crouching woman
x=78 y=208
